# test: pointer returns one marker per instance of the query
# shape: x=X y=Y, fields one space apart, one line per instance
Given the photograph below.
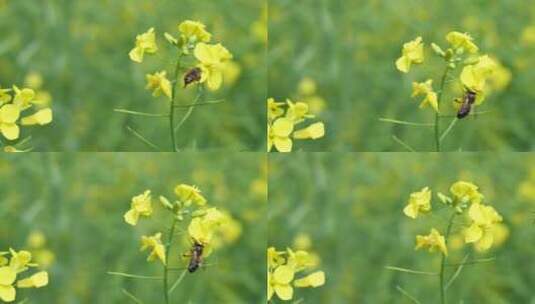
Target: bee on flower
x=282 y=120
x=284 y=266
x=206 y=64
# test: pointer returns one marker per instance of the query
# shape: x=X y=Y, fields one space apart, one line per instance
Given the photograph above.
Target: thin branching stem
x=165 y=266
x=443 y=262
x=437 y=115
x=172 y=105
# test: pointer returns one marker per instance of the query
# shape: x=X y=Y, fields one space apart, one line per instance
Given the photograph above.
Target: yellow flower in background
x=7 y=279
x=279 y=282
x=23 y=97
x=433 y=241
x=188 y=194
x=474 y=76
x=314 y=131
x=211 y=62
x=465 y=191
x=41 y=117
x=145 y=43
x=141 y=205
x=307 y=86
x=528 y=35
x=154 y=244
x=259 y=28
x=231 y=72
x=158 y=84
x=37 y=280
x=426 y=89
x=463 y=42
x=275 y=109
x=412 y=53
x=194 y=31
x=4 y=96
x=9 y=114
x=500 y=78
x=480 y=231
x=279 y=135
x=419 y=202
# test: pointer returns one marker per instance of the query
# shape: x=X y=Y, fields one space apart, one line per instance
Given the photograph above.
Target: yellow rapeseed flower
x=426 y=89
x=412 y=53
x=275 y=109
x=466 y=192
x=188 y=194
x=211 y=62
x=145 y=43
x=141 y=205
x=154 y=244
x=194 y=31
x=279 y=282
x=484 y=218
x=297 y=111
x=462 y=42
x=202 y=228
x=419 y=202
x=474 y=76
x=158 y=84
x=23 y=97
x=433 y=241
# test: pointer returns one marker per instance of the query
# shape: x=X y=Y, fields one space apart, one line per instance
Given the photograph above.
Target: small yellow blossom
x=212 y=59
x=158 y=84
x=419 y=202
x=480 y=231
x=145 y=43
x=274 y=257
x=279 y=135
x=41 y=117
x=426 y=89
x=188 y=194
x=141 y=205
x=9 y=114
x=465 y=191
x=412 y=53
x=297 y=111
x=154 y=244
x=279 y=282
x=433 y=241
x=462 y=42
x=21 y=260
x=474 y=76
x=23 y=97
x=194 y=31
x=202 y=228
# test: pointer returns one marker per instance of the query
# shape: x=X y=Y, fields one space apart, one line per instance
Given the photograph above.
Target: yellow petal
x=10 y=131
x=283 y=144
x=215 y=79
x=473 y=234
x=7 y=275
x=9 y=113
x=282 y=127
x=283 y=274
x=315 y=279
x=41 y=117
x=131 y=217
x=485 y=242
x=411 y=210
x=7 y=293
x=136 y=54
x=403 y=64
x=37 y=280
x=284 y=292
x=314 y=131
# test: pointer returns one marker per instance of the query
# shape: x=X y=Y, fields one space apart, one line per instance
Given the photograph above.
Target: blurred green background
x=80 y=49
x=77 y=202
x=350 y=208
x=348 y=47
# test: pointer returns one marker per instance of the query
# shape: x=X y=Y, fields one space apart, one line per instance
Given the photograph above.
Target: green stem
x=437 y=114
x=172 y=106
x=443 y=262
x=165 y=267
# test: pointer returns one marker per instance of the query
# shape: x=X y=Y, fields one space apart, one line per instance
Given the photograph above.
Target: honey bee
x=192 y=76
x=196 y=259
x=468 y=101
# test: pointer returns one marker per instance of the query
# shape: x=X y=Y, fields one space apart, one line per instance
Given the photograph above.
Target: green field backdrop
x=350 y=208
x=80 y=49
x=348 y=47
x=77 y=202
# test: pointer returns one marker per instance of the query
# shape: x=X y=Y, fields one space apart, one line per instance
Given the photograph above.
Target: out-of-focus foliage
x=80 y=48
x=349 y=48
x=348 y=208
x=68 y=210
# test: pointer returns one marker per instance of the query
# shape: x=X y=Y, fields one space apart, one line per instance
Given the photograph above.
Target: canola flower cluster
x=481 y=219
x=193 y=40
x=209 y=226
x=282 y=120
x=282 y=267
x=15 y=102
x=10 y=268
x=477 y=70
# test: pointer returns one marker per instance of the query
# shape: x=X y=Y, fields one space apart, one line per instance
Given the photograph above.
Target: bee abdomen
x=192 y=76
